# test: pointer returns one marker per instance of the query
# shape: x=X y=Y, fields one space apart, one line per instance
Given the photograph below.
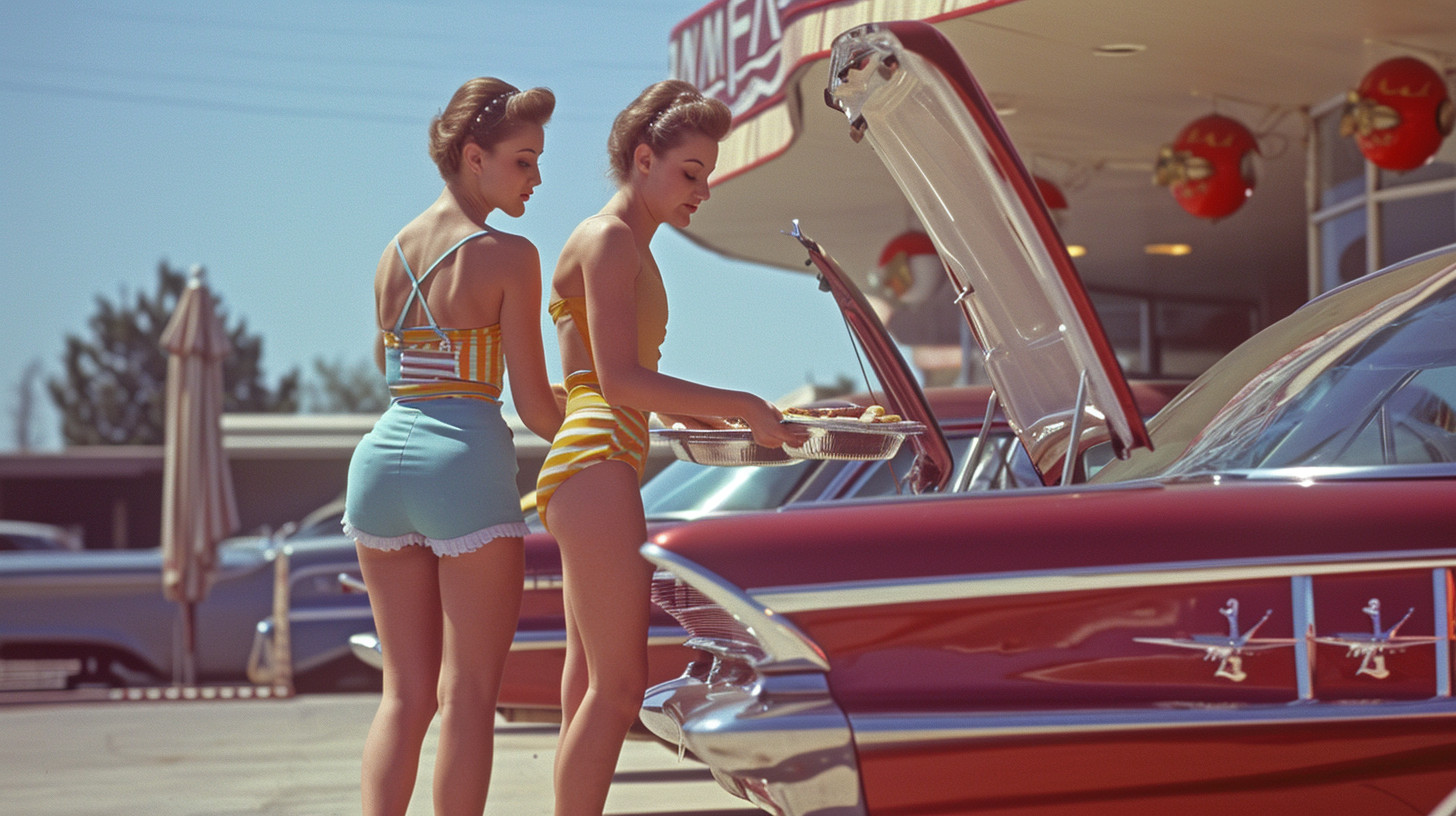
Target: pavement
x=291 y=756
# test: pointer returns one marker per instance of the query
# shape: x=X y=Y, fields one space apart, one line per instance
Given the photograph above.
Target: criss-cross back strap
x=416 y=292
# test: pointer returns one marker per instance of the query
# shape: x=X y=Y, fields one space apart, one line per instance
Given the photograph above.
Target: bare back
x=466 y=290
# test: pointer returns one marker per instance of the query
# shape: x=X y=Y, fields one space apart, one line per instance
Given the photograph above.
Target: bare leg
x=480 y=594
x=597 y=519
x=405 y=595
x=573 y=670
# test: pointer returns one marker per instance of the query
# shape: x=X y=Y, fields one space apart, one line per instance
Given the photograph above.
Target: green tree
x=336 y=387
x=114 y=382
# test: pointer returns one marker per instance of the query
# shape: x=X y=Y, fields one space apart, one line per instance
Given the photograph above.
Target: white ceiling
x=1094 y=124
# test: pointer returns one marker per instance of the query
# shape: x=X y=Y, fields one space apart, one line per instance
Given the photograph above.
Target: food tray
x=829 y=439
x=851 y=439
x=727 y=447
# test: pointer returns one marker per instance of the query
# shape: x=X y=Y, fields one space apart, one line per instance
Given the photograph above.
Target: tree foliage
x=336 y=387
x=114 y=385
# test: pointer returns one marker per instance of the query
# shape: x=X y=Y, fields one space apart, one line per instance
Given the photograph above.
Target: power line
x=355 y=90
x=125 y=97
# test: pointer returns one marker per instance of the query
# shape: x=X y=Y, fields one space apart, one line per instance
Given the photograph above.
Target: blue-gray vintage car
x=98 y=617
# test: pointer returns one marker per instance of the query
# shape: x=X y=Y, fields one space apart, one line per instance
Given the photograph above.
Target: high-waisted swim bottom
x=439 y=473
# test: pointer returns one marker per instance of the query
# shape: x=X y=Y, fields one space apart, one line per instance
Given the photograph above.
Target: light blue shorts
x=439 y=473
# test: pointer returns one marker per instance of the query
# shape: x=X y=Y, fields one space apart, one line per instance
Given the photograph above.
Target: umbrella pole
x=185 y=672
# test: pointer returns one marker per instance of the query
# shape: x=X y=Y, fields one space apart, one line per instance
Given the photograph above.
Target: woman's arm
x=520 y=320
x=610 y=264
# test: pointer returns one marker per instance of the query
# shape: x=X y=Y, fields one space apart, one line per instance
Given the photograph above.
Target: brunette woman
x=432 y=501
x=610 y=309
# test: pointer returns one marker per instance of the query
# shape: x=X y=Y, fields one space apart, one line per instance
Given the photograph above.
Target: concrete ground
x=283 y=757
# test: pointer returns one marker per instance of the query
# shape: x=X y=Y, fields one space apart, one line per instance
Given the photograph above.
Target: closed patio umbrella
x=198 y=505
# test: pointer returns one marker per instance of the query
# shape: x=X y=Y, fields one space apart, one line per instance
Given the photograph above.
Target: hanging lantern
x=1210 y=167
x=909 y=269
x=1051 y=195
x=1399 y=114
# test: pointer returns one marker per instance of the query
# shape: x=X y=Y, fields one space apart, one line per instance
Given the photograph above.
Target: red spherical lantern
x=1210 y=167
x=1399 y=114
x=1050 y=194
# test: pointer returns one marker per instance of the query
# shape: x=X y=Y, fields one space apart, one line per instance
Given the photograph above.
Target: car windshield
x=1374 y=393
x=684 y=490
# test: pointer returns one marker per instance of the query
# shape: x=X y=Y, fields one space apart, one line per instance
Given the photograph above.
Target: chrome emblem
x=1228 y=650
x=1372 y=648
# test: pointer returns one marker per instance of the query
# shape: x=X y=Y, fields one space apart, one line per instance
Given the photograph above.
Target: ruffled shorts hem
x=442 y=547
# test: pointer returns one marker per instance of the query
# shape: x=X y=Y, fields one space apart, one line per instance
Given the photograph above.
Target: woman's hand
x=769 y=429
x=693 y=423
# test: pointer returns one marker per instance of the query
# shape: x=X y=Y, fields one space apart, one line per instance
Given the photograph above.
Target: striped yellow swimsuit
x=595 y=430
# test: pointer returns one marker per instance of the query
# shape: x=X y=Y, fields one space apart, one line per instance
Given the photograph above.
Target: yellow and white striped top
x=428 y=362
x=423 y=363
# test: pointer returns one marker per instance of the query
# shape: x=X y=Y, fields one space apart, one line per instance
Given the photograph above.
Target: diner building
x=1259 y=119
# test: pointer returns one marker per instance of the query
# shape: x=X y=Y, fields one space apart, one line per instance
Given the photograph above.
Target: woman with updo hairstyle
x=610 y=310
x=432 y=502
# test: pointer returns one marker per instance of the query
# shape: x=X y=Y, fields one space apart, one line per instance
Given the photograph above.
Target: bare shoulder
x=605 y=239
x=502 y=251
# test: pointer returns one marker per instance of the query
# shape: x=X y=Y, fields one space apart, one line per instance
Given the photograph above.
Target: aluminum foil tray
x=829 y=439
x=728 y=447
x=851 y=439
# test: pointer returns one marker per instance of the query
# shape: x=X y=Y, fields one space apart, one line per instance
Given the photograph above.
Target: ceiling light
x=1119 y=49
x=1167 y=249
x=1076 y=250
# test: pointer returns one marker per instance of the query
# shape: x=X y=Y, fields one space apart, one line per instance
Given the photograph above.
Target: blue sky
x=281 y=145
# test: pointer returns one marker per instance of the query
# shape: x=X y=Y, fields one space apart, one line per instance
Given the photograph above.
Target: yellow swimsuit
x=595 y=430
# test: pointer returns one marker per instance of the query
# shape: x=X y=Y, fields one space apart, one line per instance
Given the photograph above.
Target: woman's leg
x=597 y=519
x=404 y=594
x=480 y=593
x=573 y=670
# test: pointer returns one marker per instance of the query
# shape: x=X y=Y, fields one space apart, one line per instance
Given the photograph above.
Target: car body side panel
x=1339 y=766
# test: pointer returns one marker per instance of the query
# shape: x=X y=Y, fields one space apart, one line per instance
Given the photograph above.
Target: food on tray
x=874 y=413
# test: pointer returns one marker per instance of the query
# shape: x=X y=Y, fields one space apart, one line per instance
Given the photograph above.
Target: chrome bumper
x=779 y=742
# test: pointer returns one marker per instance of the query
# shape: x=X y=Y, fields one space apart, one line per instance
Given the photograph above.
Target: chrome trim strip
x=331 y=613
x=787 y=648
x=1069 y=458
x=899 y=730
x=968 y=467
x=330 y=570
x=538 y=582
x=1301 y=590
x=807 y=597
x=1441 y=593
x=541 y=639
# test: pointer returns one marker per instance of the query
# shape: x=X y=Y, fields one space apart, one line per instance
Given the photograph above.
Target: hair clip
x=492 y=111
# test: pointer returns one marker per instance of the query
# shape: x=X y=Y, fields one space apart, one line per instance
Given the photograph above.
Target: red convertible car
x=1248 y=609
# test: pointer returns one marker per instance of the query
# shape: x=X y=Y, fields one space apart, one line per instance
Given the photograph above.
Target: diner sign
x=732 y=49
x=741 y=51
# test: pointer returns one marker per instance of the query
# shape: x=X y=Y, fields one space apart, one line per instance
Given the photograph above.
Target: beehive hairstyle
x=661 y=117
x=484 y=111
